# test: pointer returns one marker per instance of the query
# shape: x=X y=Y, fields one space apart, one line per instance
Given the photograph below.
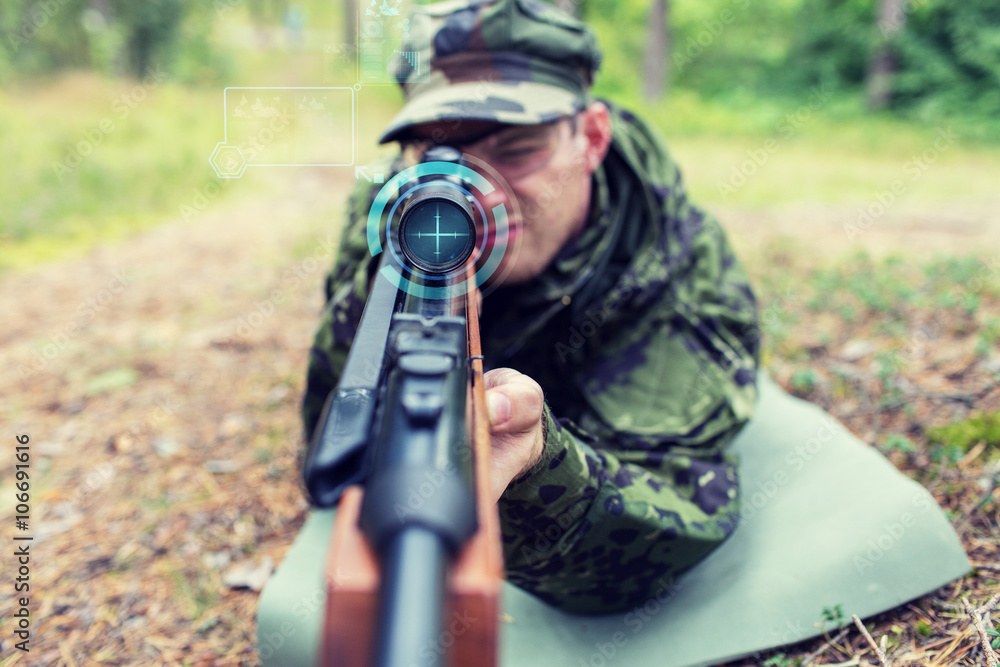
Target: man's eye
x=519 y=152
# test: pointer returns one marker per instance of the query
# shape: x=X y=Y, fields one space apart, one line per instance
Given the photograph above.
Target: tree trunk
x=657 y=46
x=351 y=27
x=891 y=20
x=571 y=7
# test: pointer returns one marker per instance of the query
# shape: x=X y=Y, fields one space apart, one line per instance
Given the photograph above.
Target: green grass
x=965 y=434
x=90 y=168
x=906 y=306
x=154 y=158
x=825 y=156
x=140 y=164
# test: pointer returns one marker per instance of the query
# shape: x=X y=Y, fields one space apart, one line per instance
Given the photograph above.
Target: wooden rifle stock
x=352 y=573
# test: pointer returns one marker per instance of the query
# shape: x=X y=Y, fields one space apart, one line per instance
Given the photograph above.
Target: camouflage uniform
x=642 y=333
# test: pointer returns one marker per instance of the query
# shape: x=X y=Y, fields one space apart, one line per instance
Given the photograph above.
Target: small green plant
x=946 y=453
x=781 y=661
x=989 y=337
x=923 y=628
x=895 y=328
x=889 y=364
x=805 y=381
x=873 y=297
x=834 y=615
x=996 y=637
x=966 y=434
x=109 y=381
x=847 y=313
x=898 y=442
x=945 y=300
x=971 y=303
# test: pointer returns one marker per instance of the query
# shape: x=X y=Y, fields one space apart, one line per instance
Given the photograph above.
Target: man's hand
x=515 y=403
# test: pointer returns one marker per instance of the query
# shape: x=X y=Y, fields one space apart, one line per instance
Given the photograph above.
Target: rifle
x=415 y=564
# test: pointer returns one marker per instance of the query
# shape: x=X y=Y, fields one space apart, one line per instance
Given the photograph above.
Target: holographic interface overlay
x=383 y=38
x=438 y=236
x=285 y=127
x=437 y=230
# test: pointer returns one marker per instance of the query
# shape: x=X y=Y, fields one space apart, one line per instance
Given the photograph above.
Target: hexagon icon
x=227 y=161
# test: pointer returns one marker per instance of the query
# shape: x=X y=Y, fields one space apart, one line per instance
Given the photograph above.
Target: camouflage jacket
x=643 y=335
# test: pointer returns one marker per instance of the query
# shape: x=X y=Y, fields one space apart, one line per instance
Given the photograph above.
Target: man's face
x=547 y=168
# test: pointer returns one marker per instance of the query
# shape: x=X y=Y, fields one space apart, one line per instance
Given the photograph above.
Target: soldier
x=623 y=340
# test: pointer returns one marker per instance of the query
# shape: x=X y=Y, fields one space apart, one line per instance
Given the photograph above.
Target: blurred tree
x=151 y=29
x=949 y=58
x=944 y=56
x=102 y=8
x=40 y=37
x=657 y=47
x=890 y=21
x=351 y=25
x=266 y=14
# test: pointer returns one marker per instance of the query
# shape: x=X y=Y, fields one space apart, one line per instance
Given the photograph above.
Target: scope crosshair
x=437 y=233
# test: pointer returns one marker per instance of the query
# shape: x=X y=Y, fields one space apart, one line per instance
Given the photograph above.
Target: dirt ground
x=159 y=379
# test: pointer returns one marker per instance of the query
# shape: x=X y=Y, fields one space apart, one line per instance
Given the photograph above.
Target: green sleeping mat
x=827 y=521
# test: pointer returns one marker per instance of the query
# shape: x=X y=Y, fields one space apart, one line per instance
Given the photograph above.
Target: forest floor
x=159 y=380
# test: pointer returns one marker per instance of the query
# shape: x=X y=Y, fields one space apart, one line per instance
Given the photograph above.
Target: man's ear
x=595 y=128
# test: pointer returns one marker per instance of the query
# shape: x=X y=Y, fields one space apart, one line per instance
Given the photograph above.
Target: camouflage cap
x=513 y=61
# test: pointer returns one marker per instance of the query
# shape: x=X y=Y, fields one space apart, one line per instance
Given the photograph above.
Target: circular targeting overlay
x=444 y=229
x=437 y=235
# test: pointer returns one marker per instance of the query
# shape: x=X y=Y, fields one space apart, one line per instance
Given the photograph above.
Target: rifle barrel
x=419 y=508
x=411 y=600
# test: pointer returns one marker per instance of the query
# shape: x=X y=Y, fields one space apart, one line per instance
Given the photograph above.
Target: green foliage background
x=948 y=55
x=738 y=70
x=126 y=38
